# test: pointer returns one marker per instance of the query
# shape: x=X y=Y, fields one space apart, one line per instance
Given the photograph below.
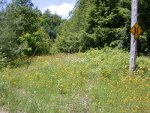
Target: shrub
x=36 y=43
x=73 y=42
x=3 y=60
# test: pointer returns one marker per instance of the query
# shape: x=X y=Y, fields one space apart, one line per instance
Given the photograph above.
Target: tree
x=107 y=22
x=103 y=21
x=20 y=3
x=18 y=19
x=143 y=20
x=51 y=23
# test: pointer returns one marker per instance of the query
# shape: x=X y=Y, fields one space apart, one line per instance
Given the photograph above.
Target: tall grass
x=94 y=82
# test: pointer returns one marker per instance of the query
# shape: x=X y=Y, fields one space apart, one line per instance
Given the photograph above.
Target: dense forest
x=25 y=31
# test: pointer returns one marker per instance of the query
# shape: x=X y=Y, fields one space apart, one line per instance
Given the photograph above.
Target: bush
x=3 y=59
x=73 y=42
x=110 y=37
x=36 y=43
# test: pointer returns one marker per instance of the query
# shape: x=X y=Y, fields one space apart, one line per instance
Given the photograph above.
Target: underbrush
x=94 y=82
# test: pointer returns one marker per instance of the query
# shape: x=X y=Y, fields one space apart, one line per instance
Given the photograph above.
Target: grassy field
x=93 y=82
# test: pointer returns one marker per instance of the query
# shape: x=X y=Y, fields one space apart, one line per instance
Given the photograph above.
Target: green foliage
x=73 y=42
x=19 y=20
x=50 y=22
x=26 y=3
x=104 y=22
x=36 y=43
x=25 y=18
x=144 y=22
x=107 y=23
x=25 y=31
x=3 y=59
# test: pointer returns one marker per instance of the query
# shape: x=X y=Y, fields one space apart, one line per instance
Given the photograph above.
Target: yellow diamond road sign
x=136 y=30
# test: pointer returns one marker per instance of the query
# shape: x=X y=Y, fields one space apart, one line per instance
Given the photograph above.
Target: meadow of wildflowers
x=93 y=82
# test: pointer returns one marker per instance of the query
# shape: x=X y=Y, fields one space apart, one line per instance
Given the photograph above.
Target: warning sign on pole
x=136 y=30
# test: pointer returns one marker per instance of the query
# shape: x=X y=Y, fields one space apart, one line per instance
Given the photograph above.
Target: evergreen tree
x=51 y=23
x=107 y=22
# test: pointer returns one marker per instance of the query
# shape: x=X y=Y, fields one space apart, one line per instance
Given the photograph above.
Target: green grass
x=93 y=82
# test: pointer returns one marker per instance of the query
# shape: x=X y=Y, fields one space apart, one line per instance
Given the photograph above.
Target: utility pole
x=133 y=43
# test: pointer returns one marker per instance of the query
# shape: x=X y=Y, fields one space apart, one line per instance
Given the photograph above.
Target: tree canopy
x=106 y=23
x=25 y=31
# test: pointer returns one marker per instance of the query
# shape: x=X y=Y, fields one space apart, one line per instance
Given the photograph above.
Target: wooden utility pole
x=133 y=43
